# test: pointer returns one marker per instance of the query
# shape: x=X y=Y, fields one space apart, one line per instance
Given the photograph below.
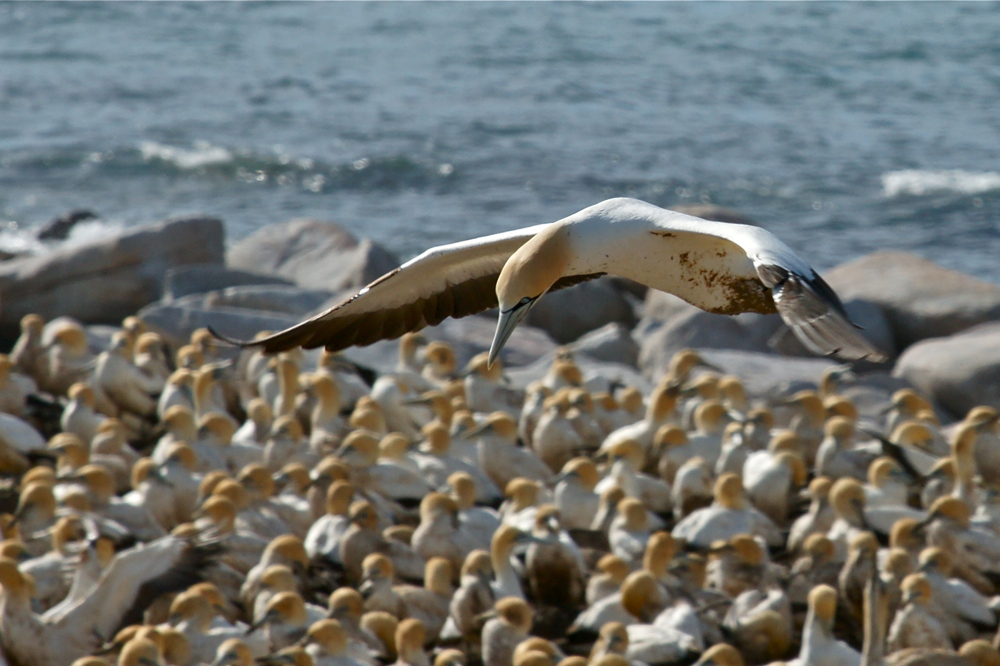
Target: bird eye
x=525 y=300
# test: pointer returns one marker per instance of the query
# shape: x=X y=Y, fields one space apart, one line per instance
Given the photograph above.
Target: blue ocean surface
x=844 y=128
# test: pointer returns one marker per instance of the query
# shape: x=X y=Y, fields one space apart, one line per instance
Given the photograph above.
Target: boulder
x=175 y=323
x=284 y=299
x=201 y=278
x=869 y=316
x=103 y=281
x=569 y=313
x=768 y=375
x=919 y=298
x=692 y=328
x=959 y=371
x=612 y=343
x=312 y=253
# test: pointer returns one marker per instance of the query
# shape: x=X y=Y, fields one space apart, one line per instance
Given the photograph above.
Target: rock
x=201 y=278
x=919 y=298
x=312 y=253
x=767 y=375
x=60 y=227
x=284 y=299
x=175 y=323
x=569 y=313
x=104 y=281
x=468 y=336
x=612 y=343
x=959 y=371
x=692 y=328
x=869 y=316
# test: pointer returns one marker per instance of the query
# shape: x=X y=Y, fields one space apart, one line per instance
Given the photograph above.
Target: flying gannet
x=719 y=267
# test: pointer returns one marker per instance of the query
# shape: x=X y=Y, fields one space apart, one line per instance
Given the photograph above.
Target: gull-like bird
x=719 y=267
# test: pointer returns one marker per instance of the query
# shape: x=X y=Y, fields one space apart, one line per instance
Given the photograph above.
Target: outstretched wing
x=815 y=314
x=453 y=280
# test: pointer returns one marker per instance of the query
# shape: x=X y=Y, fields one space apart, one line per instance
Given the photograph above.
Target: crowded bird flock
x=208 y=505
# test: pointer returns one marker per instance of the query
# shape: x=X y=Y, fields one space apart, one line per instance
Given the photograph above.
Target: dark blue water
x=844 y=128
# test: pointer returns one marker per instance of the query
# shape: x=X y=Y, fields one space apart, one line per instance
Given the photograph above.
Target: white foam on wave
x=918 y=182
x=93 y=230
x=202 y=154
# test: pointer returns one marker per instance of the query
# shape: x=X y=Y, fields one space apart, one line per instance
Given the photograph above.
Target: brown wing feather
x=340 y=332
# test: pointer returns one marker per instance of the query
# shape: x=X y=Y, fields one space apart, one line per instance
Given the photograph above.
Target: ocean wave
x=919 y=182
x=202 y=154
x=364 y=173
x=21 y=241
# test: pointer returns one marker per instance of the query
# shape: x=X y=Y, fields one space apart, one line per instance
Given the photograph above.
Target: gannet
x=14 y=387
x=67 y=358
x=28 y=354
x=720 y=267
x=363 y=537
x=692 y=488
x=502 y=633
x=574 y=493
x=728 y=516
x=500 y=456
x=131 y=388
x=720 y=655
x=472 y=598
x=914 y=625
x=77 y=631
x=817 y=519
x=607 y=579
x=819 y=647
x=534 y=403
x=627 y=457
x=553 y=563
x=323 y=538
x=960 y=609
x=816 y=566
x=659 y=412
x=554 y=439
x=439 y=533
x=347 y=607
x=410 y=639
x=328 y=643
x=770 y=478
x=629 y=531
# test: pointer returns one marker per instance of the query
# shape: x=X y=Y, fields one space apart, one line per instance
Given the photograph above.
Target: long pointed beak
x=505 y=326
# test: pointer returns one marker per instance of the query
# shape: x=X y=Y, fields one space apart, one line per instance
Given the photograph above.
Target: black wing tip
x=233 y=342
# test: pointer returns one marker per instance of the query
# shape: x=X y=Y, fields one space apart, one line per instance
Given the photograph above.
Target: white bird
x=720 y=267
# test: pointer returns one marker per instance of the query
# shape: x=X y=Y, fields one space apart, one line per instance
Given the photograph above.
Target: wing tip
x=232 y=342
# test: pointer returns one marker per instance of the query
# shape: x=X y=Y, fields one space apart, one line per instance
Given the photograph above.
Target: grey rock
x=312 y=253
x=768 y=375
x=693 y=328
x=201 y=278
x=869 y=316
x=283 y=299
x=919 y=298
x=958 y=371
x=175 y=323
x=612 y=343
x=569 y=313
x=104 y=281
